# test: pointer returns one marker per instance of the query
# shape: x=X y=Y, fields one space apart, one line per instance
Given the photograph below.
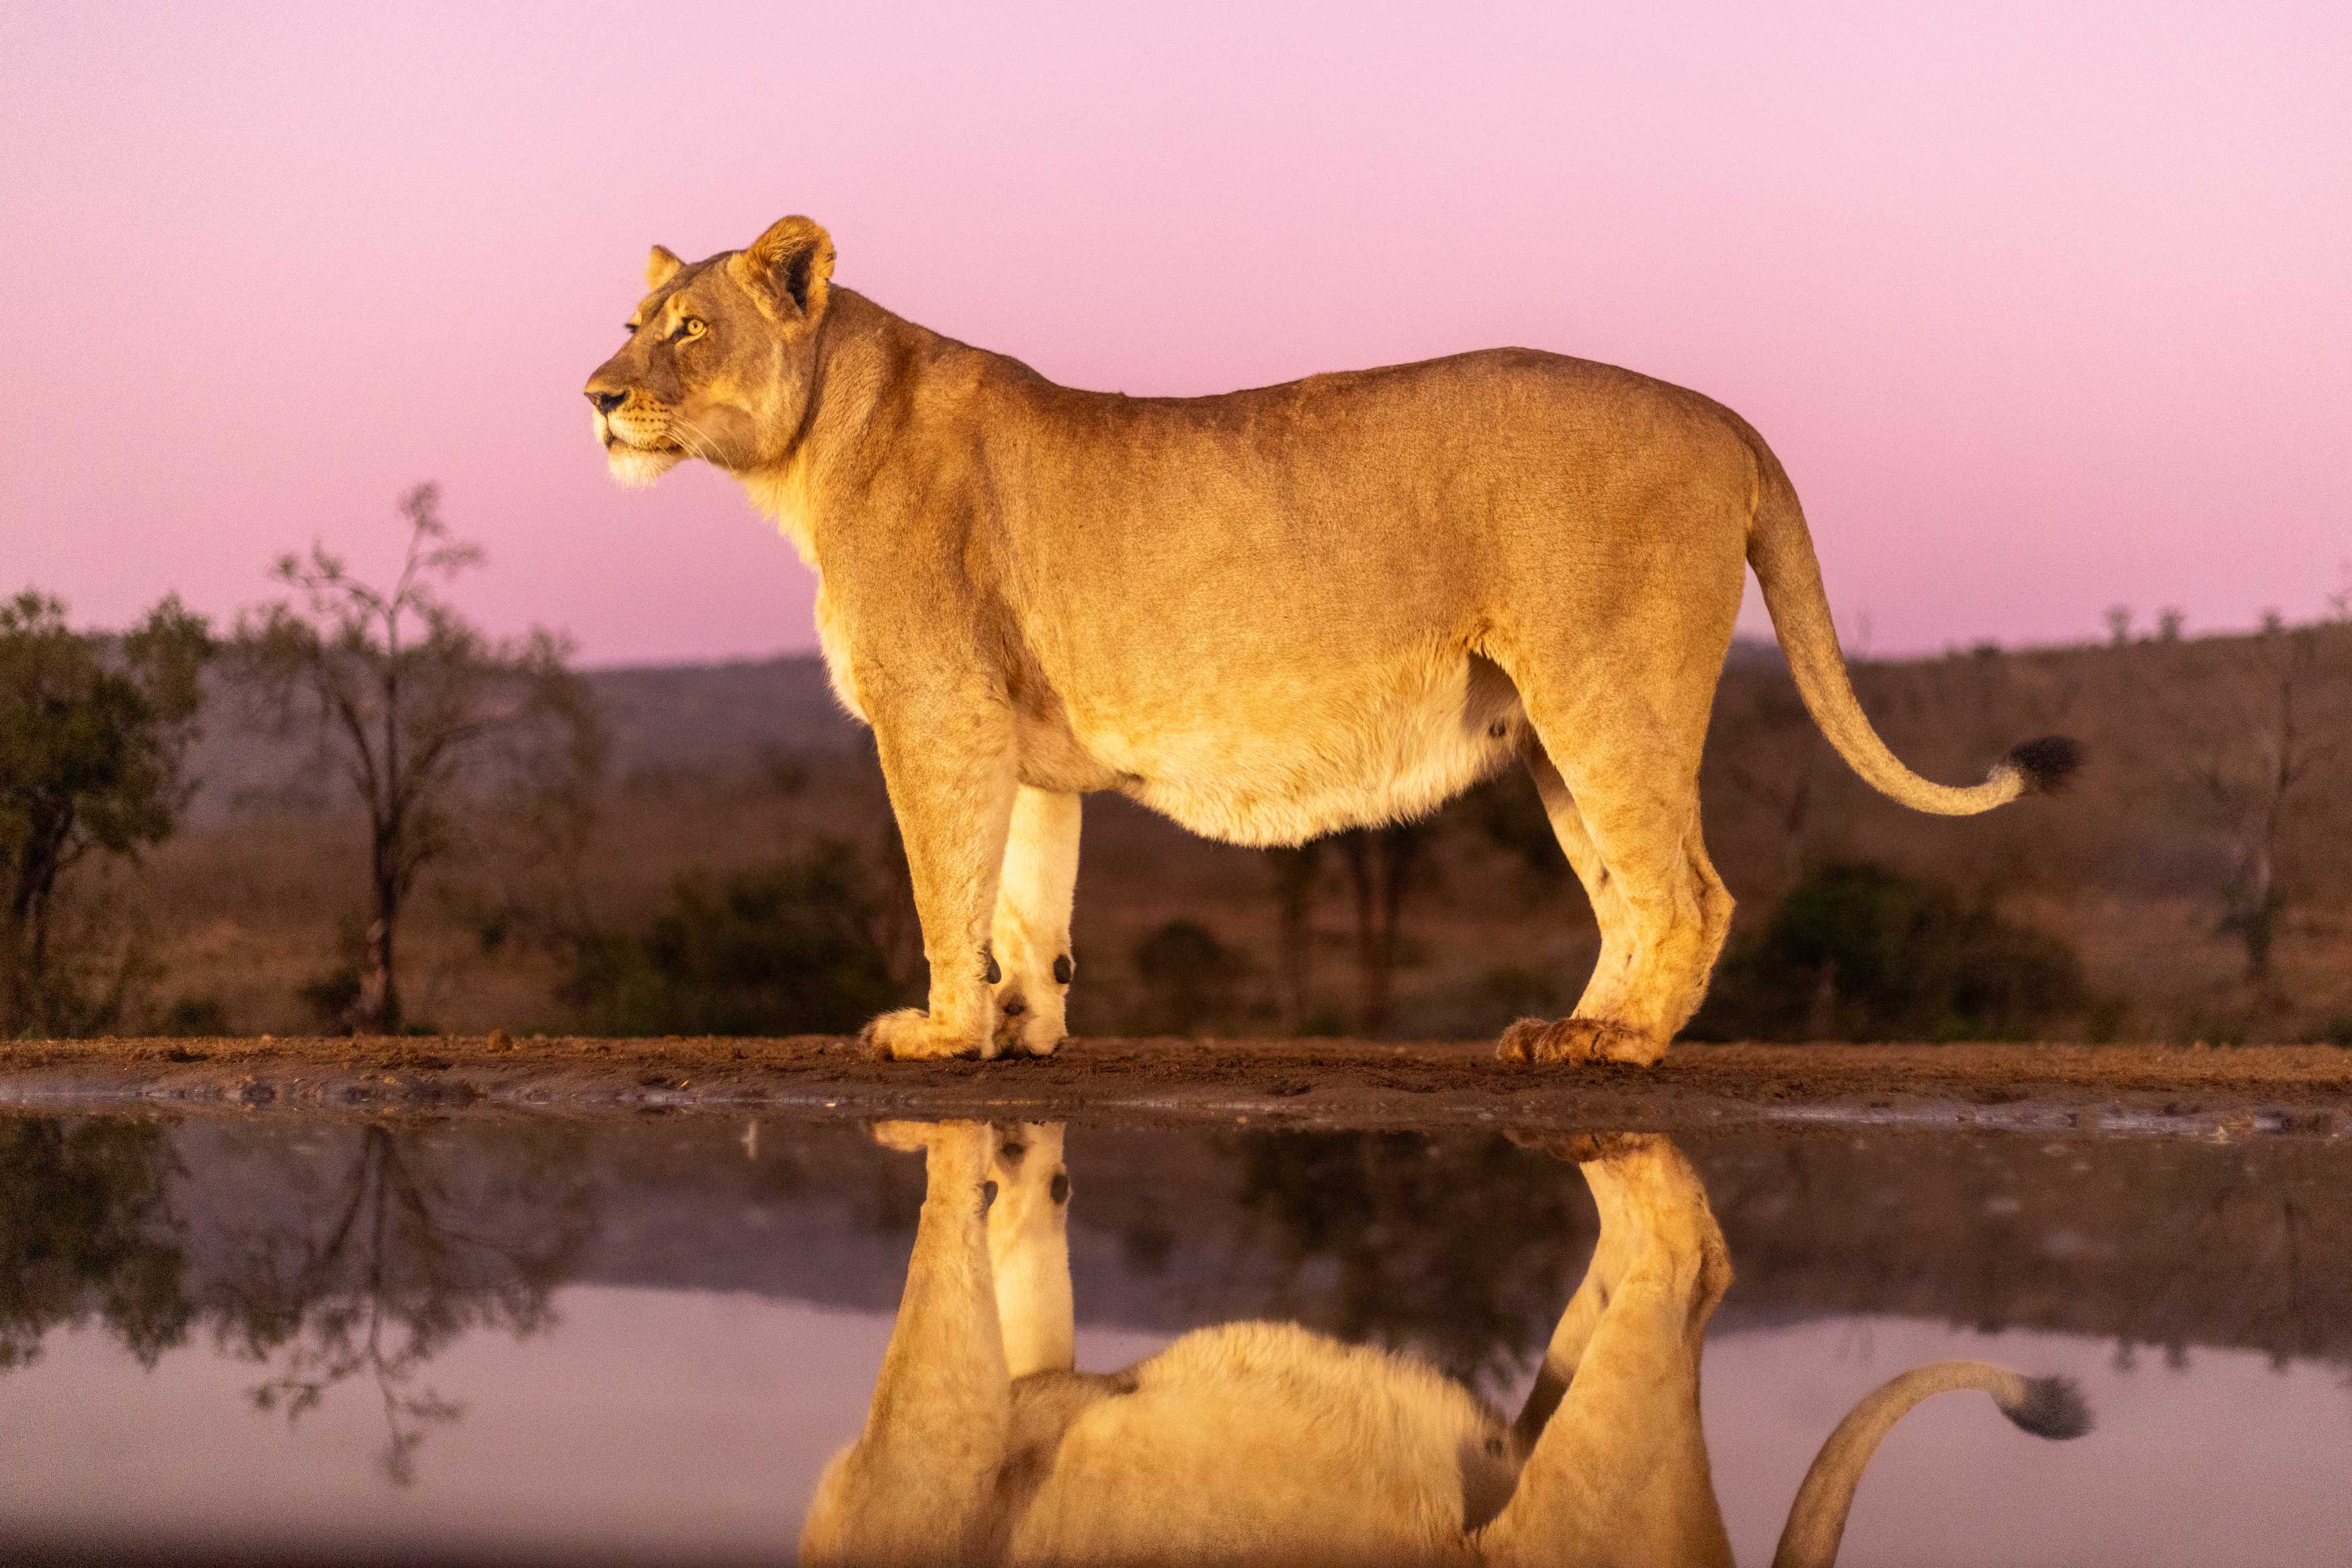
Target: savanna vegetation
x=701 y=850
x=93 y=735
x=443 y=736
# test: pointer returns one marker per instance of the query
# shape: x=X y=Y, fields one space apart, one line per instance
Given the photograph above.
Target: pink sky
x=2044 y=305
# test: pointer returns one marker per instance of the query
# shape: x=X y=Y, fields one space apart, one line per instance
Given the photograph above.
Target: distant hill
x=686 y=715
x=659 y=718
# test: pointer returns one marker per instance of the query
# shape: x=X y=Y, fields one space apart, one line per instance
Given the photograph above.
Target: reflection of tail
x=2045 y=1406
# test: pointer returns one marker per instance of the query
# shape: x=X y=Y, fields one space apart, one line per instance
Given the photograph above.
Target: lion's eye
x=692 y=327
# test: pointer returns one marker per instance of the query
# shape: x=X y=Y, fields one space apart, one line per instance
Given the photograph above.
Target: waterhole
x=522 y=1339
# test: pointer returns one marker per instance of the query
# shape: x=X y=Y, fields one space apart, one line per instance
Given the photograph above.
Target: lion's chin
x=636 y=468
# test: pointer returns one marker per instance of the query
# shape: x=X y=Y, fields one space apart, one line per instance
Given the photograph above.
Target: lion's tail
x=1780 y=549
x=2045 y=1406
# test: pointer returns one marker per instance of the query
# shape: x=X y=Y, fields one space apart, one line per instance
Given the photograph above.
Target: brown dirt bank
x=2303 y=1091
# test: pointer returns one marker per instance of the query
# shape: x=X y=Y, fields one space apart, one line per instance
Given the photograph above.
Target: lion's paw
x=910 y=1035
x=1578 y=1040
x=1023 y=1029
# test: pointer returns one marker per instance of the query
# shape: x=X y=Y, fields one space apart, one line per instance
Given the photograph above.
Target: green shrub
x=331 y=997
x=1187 y=978
x=204 y=1017
x=790 y=949
x=87 y=1227
x=1861 y=952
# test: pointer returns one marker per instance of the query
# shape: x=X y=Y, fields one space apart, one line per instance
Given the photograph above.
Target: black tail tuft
x=2046 y=764
x=2052 y=1408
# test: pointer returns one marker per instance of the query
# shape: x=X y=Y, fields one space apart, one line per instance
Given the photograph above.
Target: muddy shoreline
x=2109 y=1089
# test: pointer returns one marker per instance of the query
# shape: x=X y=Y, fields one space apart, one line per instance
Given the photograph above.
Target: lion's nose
x=606 y=402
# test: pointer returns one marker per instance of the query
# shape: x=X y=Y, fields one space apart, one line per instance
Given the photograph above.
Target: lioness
x=1271 y=614
x=1266 y=1443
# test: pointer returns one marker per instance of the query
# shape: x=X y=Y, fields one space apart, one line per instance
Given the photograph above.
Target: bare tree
x=425 y=717
x=1296 y=868
x=1382 y=864
x=2276 y=719
x=413 y=1258
x=1765 y=744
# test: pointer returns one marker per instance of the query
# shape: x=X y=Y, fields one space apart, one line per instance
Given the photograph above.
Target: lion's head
x=719 y=357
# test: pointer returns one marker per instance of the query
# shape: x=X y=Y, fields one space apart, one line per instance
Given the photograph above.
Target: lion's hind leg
x=1626 y=813
x=1584 y=1037
x=1613 y=1252
x=1619 y=1471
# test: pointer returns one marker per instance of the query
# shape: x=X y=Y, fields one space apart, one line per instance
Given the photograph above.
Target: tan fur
x=1271 y=614
x=1266 y=1443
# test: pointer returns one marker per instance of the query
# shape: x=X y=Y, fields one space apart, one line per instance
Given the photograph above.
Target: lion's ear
x=791 y=262
x=660 y=269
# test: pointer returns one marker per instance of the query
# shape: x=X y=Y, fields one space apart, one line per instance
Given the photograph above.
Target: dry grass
x=735 y=765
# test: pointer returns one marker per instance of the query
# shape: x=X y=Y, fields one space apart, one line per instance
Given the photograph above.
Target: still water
x=530 y=1340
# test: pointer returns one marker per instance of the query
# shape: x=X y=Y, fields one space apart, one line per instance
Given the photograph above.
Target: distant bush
x=331 y=997
x=1189 y=978
x=200 y=1017
x=1509 y=812
x=792 y=948
x=1861 y=952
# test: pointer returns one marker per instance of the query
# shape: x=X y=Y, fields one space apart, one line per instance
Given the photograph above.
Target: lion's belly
x=1278 y=760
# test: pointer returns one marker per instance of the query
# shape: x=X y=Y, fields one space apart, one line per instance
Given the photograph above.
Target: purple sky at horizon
x=2043 y=306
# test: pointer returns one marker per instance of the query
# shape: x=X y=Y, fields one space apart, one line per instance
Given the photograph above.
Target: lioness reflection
x=1265 y=1442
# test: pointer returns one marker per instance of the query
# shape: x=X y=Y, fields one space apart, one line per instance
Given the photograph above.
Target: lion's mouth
x=616 y=439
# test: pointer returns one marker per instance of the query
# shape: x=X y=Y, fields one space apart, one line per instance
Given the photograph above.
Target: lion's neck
x=780 y=494
x=867 y=362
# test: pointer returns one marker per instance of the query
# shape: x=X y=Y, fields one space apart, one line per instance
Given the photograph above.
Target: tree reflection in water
x=86 y=1224
x=1459 y=1251
x=408 y=1262
x=418 y=1240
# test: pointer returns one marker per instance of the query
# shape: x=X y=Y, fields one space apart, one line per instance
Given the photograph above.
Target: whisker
x=677 y=422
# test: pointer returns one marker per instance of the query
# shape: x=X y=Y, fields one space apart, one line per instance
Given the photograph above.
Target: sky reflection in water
x=640 y=1341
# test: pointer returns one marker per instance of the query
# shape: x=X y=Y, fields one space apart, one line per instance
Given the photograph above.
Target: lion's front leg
x=1032 y=929
x=952 y=788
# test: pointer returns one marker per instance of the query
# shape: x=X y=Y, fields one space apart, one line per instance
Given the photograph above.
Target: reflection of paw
x=905 y=1136
x=951 y=1148
x=1577 y=1148
x=1028 y=1155
x=910 y=1035
x=1578 y=1040
x=1024 y=1028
